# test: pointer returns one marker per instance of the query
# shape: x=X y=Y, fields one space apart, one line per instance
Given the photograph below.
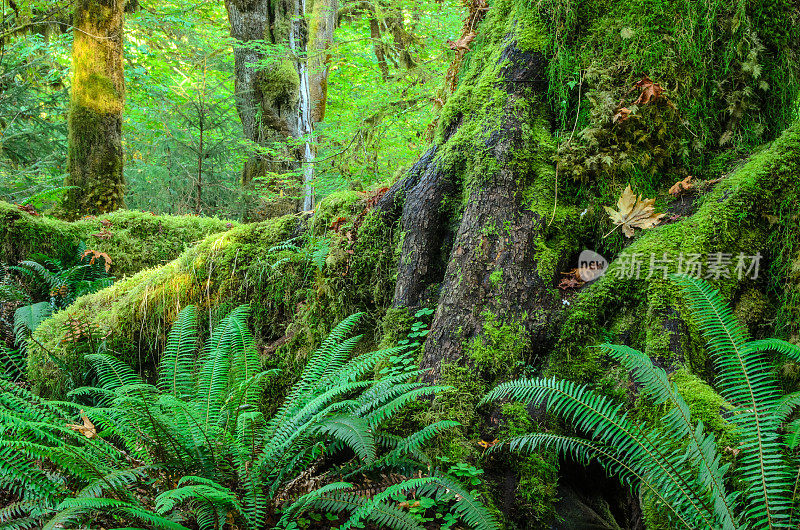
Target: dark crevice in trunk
x=424 y=220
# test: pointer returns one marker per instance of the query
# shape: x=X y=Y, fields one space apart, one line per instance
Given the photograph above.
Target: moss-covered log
x=295 y=298
x=134 y=240
x=95 y=116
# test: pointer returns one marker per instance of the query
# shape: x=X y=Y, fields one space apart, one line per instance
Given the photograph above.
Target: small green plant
x=419 y=328
x=674 y=459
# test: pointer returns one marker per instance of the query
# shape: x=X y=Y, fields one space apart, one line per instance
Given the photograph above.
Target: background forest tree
x=179 y=65
x=463 y=155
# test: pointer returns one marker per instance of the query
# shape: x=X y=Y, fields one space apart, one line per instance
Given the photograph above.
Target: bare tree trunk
x=198 y=199
x=95 y=117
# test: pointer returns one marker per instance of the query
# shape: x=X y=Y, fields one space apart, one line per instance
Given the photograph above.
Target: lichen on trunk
x=95 y=116
x=272 y=99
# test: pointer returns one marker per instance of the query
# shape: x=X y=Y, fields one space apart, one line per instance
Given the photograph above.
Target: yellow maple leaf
x=634 y=212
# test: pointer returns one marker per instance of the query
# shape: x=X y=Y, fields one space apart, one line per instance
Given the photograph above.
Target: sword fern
x=675 y=458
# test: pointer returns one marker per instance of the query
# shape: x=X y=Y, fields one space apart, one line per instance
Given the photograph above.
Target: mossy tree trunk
x=489 y=224
x=322 y=21
x=268 y=98
x=95 y=116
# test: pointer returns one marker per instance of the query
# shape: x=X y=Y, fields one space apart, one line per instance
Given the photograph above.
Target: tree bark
x=95 y=117
x=485 y=238
x=268 y=99
x=491 y=263
x=322 y=22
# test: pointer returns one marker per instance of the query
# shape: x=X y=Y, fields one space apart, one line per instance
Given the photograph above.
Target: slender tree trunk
x=322 y=22
x=377 y=45
x=198 y=199
x=95 y=117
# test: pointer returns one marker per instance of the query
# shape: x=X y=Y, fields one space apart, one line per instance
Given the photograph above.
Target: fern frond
x=197 y=489
x=75 y=508
x=792 y=351
x=176 y=369
x=414 y=442
x=244 y=358
x=353 y=432
x=212 y=384
x=111 y=372
x=13 y=363
x=117 y=480
x=382 y=413
x=27 y=319
x=467 y=506
x=605 y=420
x=375 y=502
x=586 y=451
x=702 y=447
x=308 y=499
x=746 y=381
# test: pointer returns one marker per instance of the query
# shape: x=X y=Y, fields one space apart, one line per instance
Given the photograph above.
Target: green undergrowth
x=134 y=240
x=730 y=71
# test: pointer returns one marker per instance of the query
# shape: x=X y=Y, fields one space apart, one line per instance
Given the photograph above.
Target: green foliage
x=674 y=459
x=378 y=112
x=203 y=423
x=184 y=141
x=33 y=99
x=44 y=287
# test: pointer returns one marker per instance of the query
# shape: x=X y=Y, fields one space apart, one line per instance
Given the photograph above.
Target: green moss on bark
x=95 y=116
x=730 y=219
x=136 y=313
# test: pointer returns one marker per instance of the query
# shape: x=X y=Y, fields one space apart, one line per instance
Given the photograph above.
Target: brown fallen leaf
x=337 y=223
x=650 y=91
x=733 y=450
x=681 y=185
x=673 y=217
x=462 y=43
x=86 y=428
x=28 y=208
x=486 y=444
x=572 y=280
x=634 y=212
x=103 y=234
x=95 y=255
x=622 y=114
x=569 y=283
